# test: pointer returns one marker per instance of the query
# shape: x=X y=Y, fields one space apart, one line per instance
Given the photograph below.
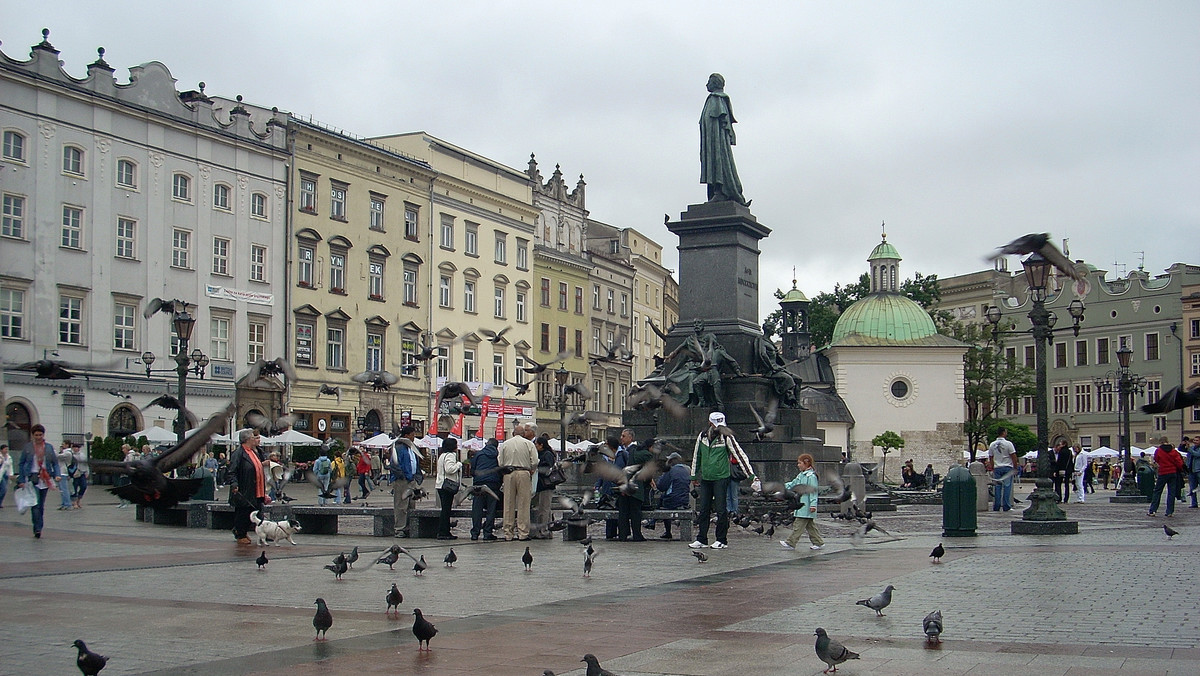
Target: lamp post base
x=1128 y=492
x=1044 y=516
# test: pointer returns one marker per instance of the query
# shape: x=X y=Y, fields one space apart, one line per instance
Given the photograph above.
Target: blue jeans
x=1003 y=490
x=64 y=487
x=731 y=497
x=1167 y=480
x=3 y=490
x=1193 y=482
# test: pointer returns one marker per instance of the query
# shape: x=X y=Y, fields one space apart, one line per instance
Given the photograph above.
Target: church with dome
x=885 y=368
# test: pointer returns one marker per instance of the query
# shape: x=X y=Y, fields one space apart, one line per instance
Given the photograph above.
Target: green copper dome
x=795 y=295
x=884 y=250
x=883 y=319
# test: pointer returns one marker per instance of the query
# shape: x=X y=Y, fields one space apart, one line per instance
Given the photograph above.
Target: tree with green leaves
x=990 y=380
x=888 y=440
x=1022 y=437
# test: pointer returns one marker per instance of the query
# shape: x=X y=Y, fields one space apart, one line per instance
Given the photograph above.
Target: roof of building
x=884 y=250
x=828 y=406
x=887 y=319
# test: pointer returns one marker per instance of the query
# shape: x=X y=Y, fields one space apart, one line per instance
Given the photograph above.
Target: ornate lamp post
x=1043 y=509
x=1126 y=384
x=561 y=374
x=194 y=363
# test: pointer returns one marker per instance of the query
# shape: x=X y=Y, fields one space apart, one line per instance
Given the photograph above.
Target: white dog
x=274 y=530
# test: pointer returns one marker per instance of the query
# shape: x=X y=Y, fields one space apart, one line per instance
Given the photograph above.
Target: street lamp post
x=1126 y=385
x=194 y=363
x=561 y=374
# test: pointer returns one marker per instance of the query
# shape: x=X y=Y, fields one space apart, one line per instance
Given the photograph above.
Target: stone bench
x=423 y=521
x=683 y=518
x=190 y=514
x=314 y=519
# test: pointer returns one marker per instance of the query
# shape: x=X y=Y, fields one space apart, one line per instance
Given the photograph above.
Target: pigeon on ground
x=932 y=624
x=394 y=599
x=589 y=555
x=423 y=629
x=450 y=559
x=831 y=652
x=323 y=620
x=701 y=557
x=420 y=566
x=879 y=601
x=937 y=553
x=339 y=567
x=527 y=559
x=262 y=560
x=89 y=663
x=353 y=557
x=1171 y=532
x=389 y=557
x=594 y=668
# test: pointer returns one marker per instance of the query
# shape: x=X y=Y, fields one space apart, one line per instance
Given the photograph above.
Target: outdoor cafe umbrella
x=291 y=438
x=157 y=436
x=381 y=440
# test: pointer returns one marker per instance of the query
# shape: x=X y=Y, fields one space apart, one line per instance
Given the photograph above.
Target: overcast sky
x=960 y=124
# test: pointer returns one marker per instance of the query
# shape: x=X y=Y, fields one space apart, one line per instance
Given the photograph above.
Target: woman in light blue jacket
x=805 y=520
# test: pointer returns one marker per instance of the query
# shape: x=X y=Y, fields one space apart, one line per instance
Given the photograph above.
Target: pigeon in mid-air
x=937 y=553
x=394 y=599
x=1174 y=399
x=323 y=620
x=423 y=629
x=701 y=557
x=932 y=624
x=451 y=558
x=593 y=666
x=879 y=601
x=1171 y=532
x=1040 y=243
x=262 y=560
x=831 y=652
x=390 y=557
x=527 y=559
x=47 y=369
x=89 y=663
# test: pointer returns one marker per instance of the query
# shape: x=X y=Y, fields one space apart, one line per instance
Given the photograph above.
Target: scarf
x=260 y=488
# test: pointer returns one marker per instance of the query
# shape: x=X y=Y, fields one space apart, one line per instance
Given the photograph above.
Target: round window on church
x=899 y=388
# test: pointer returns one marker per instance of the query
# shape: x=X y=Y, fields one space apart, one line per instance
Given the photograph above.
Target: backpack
x=323 y=466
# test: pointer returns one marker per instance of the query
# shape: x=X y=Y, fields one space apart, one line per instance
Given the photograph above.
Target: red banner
x=483 y=414
x=500 y=422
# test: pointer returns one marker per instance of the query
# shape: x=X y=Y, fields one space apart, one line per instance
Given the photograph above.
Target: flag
x=483 y=414
x=500 y=422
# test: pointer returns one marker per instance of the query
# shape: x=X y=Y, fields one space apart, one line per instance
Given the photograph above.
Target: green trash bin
x=208 y=485
x=1146 y=477
x=958 y=504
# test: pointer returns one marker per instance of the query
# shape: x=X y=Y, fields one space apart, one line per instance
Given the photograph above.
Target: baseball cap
x=716 y=418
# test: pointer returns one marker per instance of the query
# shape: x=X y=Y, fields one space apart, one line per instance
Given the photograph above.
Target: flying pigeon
x=831 y=652
x=262 y=368
x=323 y=620
x=932 y=624
x=339 y=567
x=1041 y=244
x=47 y=369
x=262 y=560
x=937 y=553
x=451 y=558
x=379 y=381
x=701 y=557
x=394 y=599
x=267 y=426
x=527 y=559
x=766 y=421
x=423 y=629
x=148 y=484
x=1174 y=399
x=879 y=601
x=494 y=336
x=353 y=557
x=119 y=395
x=1171 y=532
x=330 y=390
x=580 y=389
x=156 y=305
x=535 y=367
x=89 y=663
x=390 y=558
x=522 y=388
x=594 y=668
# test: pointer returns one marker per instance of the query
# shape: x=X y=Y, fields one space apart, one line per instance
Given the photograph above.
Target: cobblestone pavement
x=162 y=600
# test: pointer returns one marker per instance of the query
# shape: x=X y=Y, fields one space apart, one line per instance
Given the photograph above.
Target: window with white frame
x=498 y=369
x=221 y=196
x=258 y=263
x=218 y=333
x=1062 y=399
x=442 y=363
x=444 y=291
x=375 y=279
x=258 y=205
x=14 y=216
x=468 y=296
x=256 y=341
x=70 y=320
x=522 y=254
x=596 y=341
x=501 y=248
x=14 y=146
x=519 y=373
x=468 y=371
x=374 y=351
x=1104 y=401
x=1153 y=390
x=1083 y=398
x=1081 y=353
x=579 y=300
x=412 y=224
x=595 y=296
x=12 y=313
x=1060 y=355
x=376 y=222
x=410 y=284
x=181 y=246
x=624 y=304
x=337 y=200
x=471 y=239
x=611 y=302
x=126 y=240
x=1160 y=423
x=562 y=295
x=335 y=348
x=1102 y=351
x=72 y=160
x=123 y=327
x=1195 y=328
x=72 y=227
x=308 y=193
x=220 y=264
x=1196 y=363
x=126 y=174
x=446 y=241
x=181 y=187
x=305 y=330
x=562 y=339
x=1151 y=347
x=408 y=354
x=337 y=272
x=1196 y=414
x=520 y=304
x=498 y=303
x=304 y=266
x=545 y=287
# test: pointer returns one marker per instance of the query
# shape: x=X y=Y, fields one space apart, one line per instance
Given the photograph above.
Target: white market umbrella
x=429 y=441
x=1032 y=455
x=1103 y=452
x=291 y=438
x=156 y=435
x=472 y=444
x=381 y=440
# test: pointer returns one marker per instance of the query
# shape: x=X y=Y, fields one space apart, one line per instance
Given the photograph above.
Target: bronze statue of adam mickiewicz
x=717 y=170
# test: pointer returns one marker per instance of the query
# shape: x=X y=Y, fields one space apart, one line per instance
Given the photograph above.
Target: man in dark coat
x=249 y=488
x=485 y=471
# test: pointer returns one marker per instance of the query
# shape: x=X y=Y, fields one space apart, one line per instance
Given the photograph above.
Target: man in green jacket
x=710 y=470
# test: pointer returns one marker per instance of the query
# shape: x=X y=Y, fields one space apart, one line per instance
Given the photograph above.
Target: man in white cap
x=715 y=447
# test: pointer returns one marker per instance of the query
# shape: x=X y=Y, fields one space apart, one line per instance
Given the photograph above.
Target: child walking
x=806 y=514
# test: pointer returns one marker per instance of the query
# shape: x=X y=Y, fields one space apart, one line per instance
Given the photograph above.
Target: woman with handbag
x=449 y=478
x=547 y=479
x=38 y=466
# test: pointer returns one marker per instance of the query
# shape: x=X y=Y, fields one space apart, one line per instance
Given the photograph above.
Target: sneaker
x=785 y=544
x=1149 y=513
x=817 y=547
x=698 y=545
x=719 y=545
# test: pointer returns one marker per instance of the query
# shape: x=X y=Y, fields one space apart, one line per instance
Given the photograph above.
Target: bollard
x=958 y=503
x=982 y=502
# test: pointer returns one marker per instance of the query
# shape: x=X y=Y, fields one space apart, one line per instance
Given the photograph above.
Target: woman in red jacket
x=1170 y=469
x=363 y=469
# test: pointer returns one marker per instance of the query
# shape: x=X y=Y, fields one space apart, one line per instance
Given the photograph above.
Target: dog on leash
x=276 y=531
